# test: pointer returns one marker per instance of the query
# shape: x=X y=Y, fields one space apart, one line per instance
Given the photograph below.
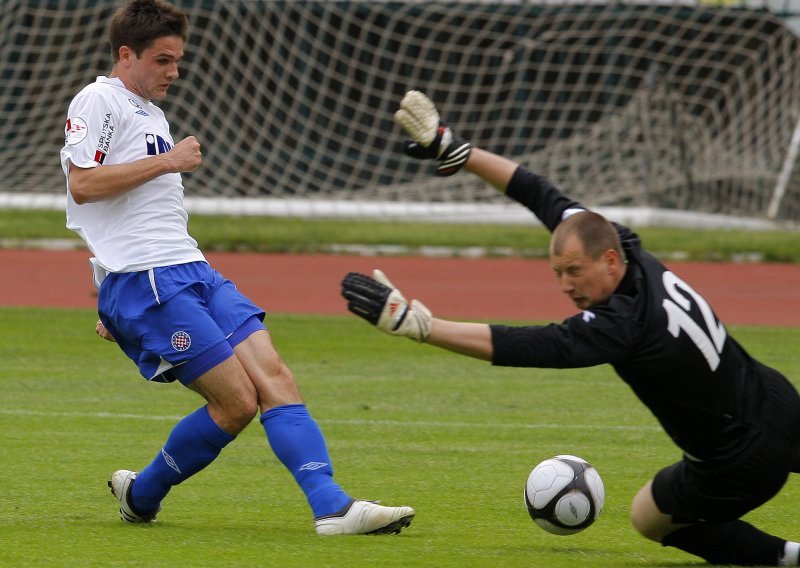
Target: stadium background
x=668 y=106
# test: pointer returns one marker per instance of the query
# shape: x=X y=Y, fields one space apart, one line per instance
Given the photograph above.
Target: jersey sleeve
x=604 y=334
x=89 y=130
x=541 y=197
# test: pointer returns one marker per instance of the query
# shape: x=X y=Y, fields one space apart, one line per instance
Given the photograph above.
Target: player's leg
x=164 y=326
x=232 y=398
x=647 y=519
x=198 y=439
x=300 y=445
x=727 y=541
x=712 y=497
x=293 y=434
x=734 y=542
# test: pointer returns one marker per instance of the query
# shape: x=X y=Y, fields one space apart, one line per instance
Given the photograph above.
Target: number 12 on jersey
x=710 y=340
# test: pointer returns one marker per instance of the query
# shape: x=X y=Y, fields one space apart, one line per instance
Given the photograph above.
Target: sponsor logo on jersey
x=75 y=130
x=156 y=145
x=104 y=142
x=181 y=341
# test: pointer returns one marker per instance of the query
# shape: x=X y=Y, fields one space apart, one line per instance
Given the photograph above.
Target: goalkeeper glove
x=432 y=138
x=384 y=306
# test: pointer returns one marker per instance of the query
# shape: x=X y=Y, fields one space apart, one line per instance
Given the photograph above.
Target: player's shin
x=299 y=444
x=194 y=443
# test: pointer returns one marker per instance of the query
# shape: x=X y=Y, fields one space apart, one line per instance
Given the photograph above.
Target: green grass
x=317 y=235
x=407 y=424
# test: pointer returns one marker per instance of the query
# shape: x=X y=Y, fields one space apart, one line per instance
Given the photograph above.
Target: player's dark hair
x=139 y=23
x=595 y=232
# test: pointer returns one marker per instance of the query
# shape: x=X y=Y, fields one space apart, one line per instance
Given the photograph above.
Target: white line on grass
x=402 y=423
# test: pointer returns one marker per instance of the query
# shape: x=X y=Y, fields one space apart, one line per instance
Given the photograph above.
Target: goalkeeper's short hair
x=595 y=232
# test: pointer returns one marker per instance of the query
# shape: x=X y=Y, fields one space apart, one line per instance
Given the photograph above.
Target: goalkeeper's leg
x=734 y=542
x=730 y=541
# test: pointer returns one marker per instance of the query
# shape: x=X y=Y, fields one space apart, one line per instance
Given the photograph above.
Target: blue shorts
x=176 y=322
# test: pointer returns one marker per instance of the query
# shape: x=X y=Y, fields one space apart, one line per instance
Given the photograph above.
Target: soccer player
x=168 y=310
x=736 y=420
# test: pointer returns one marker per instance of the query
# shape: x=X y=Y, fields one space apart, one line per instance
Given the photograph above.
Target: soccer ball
x=564 y=494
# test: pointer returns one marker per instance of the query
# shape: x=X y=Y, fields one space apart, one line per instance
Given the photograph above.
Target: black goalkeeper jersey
x=660 y=336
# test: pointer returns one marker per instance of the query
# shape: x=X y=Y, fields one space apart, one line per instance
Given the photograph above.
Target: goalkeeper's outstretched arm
x=471 y=339
x=378 y=301
x=493 y=169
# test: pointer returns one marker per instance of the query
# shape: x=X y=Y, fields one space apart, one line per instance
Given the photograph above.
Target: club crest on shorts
x=181 y=341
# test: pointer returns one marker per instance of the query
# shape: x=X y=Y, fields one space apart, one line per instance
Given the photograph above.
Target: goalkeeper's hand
x=432 y=138
x=384 y=306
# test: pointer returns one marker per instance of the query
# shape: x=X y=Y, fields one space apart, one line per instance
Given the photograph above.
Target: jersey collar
x=116 y=81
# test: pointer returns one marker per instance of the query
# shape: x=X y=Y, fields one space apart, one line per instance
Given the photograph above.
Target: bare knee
x=646 y=518
x=232 y=398
x=644 y=527
x=235 y=415
x=234 y=412
x=270 y=376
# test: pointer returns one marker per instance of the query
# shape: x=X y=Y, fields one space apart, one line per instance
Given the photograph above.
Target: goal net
x=689 y=107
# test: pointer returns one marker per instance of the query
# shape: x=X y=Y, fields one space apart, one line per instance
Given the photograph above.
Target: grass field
x=407 y=424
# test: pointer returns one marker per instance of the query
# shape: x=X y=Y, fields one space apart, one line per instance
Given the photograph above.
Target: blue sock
x=194 y=443
x=298 y=442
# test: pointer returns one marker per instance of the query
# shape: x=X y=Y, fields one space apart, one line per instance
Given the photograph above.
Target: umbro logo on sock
x=311 y=466
x=170 y=462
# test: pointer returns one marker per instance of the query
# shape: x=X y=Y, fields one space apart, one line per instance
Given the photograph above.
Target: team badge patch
x=181 y=341
x=75 y=130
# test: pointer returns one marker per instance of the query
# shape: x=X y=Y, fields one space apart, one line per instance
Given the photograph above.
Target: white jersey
x=143 y=228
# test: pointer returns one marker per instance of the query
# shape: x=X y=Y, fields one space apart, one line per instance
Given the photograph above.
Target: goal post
x=657 y=105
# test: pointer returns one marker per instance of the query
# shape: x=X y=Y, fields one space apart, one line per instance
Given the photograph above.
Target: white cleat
x=365 y=517
x=120 y=484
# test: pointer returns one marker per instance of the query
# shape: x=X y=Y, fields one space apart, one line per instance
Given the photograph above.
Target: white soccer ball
x=564 y=494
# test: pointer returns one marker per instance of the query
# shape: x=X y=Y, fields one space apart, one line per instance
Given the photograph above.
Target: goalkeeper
x=736 y=420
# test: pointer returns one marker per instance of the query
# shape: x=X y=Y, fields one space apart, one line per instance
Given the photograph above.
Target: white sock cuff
x=791 y=554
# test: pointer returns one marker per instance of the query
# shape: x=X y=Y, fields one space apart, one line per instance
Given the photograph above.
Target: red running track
x=516 y=289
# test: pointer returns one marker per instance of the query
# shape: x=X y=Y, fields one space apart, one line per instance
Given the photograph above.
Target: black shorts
x=692 y=491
